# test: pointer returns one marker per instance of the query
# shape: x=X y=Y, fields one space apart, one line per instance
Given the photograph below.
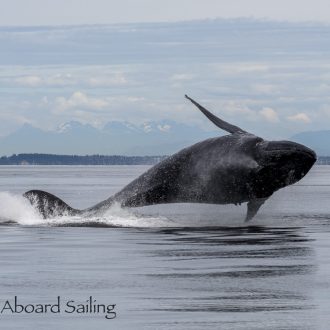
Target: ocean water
x=179 y=266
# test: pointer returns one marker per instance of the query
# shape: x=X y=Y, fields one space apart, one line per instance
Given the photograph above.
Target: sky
x=68 y=12
x=268 y=72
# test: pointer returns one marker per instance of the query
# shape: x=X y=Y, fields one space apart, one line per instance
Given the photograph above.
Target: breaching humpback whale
x=232 y=169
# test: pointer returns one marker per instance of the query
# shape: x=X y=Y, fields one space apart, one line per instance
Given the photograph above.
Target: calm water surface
x=169 y=266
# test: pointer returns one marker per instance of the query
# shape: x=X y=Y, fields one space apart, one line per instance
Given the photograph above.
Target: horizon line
x=208 y=19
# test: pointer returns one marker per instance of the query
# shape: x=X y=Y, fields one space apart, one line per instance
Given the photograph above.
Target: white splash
x=118 y=216
x=17 y=209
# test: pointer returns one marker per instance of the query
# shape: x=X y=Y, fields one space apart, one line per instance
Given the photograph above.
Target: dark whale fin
x=49 y=205
x=217 y=121
x=253 y=207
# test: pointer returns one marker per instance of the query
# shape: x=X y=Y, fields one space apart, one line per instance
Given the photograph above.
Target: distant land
x=49 y=159
x=163 y=137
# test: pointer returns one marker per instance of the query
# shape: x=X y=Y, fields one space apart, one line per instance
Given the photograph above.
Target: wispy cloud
x=300 y=117
x=270 y=115
x=68 y=79
x=265 y=88
x=29 y=81
x=182 y=77
x=79 y=100
x=115 y=80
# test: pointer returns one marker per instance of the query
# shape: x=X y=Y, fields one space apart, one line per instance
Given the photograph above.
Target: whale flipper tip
x=216 y=120
x=253 y=207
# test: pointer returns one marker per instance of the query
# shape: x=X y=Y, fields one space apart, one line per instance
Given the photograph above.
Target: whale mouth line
x=287 y=148
x=307 y=153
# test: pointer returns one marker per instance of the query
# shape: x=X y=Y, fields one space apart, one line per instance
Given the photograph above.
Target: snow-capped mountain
x=124 y=138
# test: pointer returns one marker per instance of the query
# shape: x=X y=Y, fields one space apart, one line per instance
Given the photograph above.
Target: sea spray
x=16 y=208
x=124 y=217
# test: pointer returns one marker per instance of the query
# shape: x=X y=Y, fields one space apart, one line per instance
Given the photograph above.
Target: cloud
x=242 y=110
x=68 y=79
x=252 y=67
x=239 y=109
x=240 y=68
x=147 y=127
x=269 y=114
x=182 y=77
x=164 y=128
x=79 y=100
x=300 y=117
x=134 y=99
x=39 y=81
x=29 y=81
x=60 y=79
x=115 y=79
x=265 y=88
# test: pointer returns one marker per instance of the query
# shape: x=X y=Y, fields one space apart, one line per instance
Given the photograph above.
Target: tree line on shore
x=50 y=159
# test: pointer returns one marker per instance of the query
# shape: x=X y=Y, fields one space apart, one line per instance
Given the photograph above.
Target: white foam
x=118 y=216
x=16 y=208
x=115 y=216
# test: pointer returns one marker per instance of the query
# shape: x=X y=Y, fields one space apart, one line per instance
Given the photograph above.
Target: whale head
x=281 y=163
x=278 y=163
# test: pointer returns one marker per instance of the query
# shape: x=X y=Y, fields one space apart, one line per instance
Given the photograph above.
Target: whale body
x=232 y=169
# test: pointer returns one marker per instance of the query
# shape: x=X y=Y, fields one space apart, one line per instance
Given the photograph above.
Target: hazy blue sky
x=270 y=77
x=58 y=12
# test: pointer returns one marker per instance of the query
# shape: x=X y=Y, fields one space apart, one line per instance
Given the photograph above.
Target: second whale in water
x=231 y=169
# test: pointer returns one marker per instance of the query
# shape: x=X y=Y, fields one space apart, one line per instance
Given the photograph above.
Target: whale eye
x=259 y=142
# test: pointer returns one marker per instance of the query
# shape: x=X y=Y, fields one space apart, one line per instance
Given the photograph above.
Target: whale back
x=211 y=171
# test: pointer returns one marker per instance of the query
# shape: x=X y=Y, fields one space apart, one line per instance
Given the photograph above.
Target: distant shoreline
x=52 y=159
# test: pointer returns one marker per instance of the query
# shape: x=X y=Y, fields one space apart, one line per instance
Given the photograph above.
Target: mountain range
x=115 y=138
x=317 y=140
x=123 y=138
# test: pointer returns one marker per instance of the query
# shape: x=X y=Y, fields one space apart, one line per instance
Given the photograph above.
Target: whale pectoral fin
x=253 y=207
x=216 y=120
x=49 y=205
